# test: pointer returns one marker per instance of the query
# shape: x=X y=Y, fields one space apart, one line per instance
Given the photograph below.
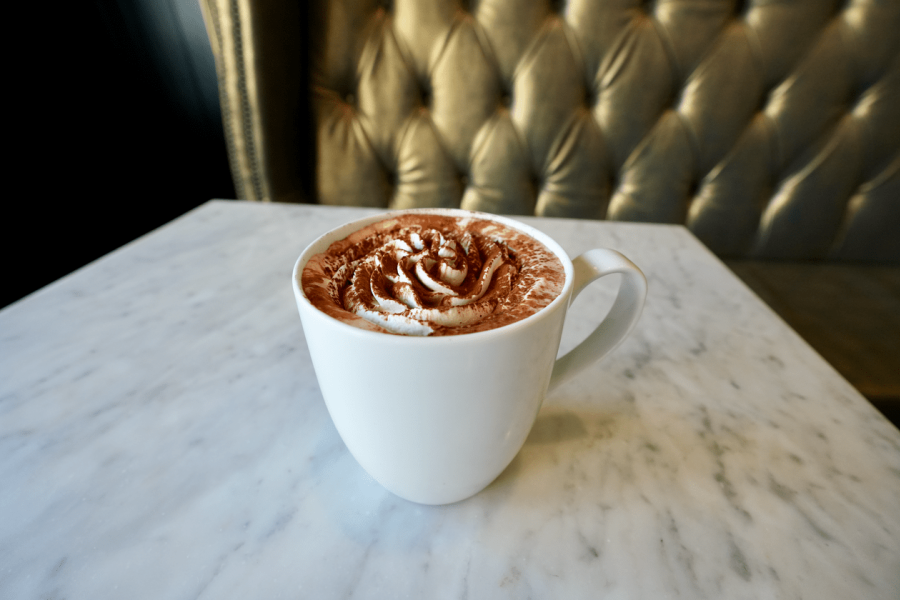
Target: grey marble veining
x=162 y=435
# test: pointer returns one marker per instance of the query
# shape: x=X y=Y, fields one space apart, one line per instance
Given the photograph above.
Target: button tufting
x=729 y=95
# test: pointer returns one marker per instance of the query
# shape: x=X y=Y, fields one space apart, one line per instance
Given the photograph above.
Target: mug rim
x=386 y=336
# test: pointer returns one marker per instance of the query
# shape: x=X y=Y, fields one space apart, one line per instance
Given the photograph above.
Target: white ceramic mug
x=436 y=419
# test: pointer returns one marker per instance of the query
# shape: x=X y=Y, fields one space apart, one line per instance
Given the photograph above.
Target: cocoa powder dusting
x=529 y=278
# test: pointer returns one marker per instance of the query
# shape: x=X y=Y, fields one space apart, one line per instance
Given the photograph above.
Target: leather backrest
x=771 y=128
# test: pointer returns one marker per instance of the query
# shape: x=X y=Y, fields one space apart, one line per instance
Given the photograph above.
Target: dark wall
x=120 y=133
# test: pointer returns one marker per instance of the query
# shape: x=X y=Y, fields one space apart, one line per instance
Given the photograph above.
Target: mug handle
x=622 y=317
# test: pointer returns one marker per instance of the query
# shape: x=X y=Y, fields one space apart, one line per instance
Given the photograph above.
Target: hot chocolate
x=431 y=274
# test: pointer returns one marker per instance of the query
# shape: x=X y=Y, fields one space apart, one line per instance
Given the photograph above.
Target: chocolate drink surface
x=429 y=274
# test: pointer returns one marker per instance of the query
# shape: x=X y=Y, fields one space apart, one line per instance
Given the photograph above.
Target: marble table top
x=162 y=435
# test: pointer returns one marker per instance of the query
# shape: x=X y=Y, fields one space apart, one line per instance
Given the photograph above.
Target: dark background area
x=117 y=131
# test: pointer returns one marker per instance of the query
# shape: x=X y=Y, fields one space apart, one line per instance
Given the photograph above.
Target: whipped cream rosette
x=429 y=274
x=420 y=278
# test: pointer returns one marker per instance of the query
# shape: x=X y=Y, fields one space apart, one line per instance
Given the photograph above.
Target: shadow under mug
x=436 y=419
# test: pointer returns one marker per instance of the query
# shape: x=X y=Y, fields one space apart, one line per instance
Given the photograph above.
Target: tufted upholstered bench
x=770 y=128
